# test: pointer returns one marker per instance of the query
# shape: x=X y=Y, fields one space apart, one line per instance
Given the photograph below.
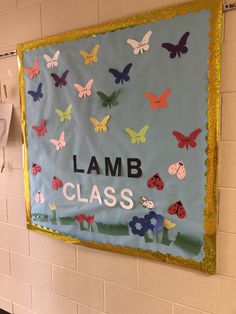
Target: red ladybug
x=56 y=183
x=35 y=169
x=177 y=208
x=155 y=181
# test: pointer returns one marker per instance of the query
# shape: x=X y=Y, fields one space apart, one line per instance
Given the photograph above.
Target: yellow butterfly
x=137 y=137
x=100 y=126
x=64 y=115
x=91 y=57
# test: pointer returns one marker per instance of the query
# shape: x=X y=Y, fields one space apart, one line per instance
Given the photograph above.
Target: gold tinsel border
x=208 y=264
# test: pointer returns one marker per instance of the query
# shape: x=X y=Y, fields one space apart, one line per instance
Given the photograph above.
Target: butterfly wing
x=55 y=59
x=61 y=114
x=182 y=43
x=49 y=61
x=57 y=79
x=88 y=87
x=146 y=37
x=104 y=98
x=180 y=138
x=85 y=56
x=171 y=48
x=62 y=139
x=104 y=123
x=163 y=98
x=68 y=112
x=154 y=101
x=132 y=134
x=56 y=143
x=79 y=89
x=135 y=45
x=95 y=122
x=142 y=133
x=192 y=138
x=117 y=74
x=63 y=78
x=125 y=73
x=95 y=52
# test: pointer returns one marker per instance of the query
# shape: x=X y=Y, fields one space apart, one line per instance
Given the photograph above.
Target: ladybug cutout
x=155 y=181
x=177 y=208
x=56 y=183
x=35 y=169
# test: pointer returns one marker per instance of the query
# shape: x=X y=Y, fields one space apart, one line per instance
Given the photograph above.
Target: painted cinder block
x=52 y=250
x=179 y=285
x=14 y=238
x=68 y=15
x=109 y=266
x=226 y=295
x=120 y=299
x=226 y=254
x=15 y=291
x=31 y=270
x=227 y=212
x=4 y=262
x=78 y=287
x=45 y=302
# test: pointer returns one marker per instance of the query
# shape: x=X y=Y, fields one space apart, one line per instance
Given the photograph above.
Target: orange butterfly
x=34 y=71
x=158 y=102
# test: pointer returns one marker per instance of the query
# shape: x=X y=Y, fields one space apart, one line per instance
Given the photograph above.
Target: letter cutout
x=93 y=165
x=107 y=191
x=95 y=195
x=127 y=199
x=65 y=186
x=109 y=169
x=80 y=199
x=136 y=166
x=75 y=165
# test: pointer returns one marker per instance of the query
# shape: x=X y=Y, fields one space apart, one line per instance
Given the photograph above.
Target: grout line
x=227 y=233
x=99 y=11
x=41 y=19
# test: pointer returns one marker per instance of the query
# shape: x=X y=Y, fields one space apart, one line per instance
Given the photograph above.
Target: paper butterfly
x=158 y=102
x=38 y=94
x=35 y=169
x=137 y=137
x=52 y=206
x=179 y=48
x=52 y=61
x=84 y=91
x=39 y=198
x=91 y=57
x=155 y=181
x=56 y=183
x=41 y=130
x=59 y=144
x=178 y=169
x=60 y=81
x=186 y=141
x=120 y=77
x=100 y=126
x=143 y=45
x=108 y=101
x=146 y=202
x=177 y=208
x=64 y=115
x=34 y=71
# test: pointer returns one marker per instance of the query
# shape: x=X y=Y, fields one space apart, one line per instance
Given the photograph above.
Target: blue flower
x=154 y=221
x=138 y=226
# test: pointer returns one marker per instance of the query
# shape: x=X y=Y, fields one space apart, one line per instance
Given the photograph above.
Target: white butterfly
x=143 y=45
x=59 y=143
x=52 y=62
x=178 y=169
x=39 y=198
x=84 y=91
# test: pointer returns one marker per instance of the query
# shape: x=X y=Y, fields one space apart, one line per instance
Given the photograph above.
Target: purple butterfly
x=121 y=76
x=179 y=48
x=60 y=81
x=38 y=94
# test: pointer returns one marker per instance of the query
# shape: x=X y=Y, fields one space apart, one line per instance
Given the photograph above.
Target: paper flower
x=154 y=221
x=138 y=226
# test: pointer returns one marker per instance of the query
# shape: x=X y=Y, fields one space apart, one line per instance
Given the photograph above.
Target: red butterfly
x=177 y=208
x=35 y=169
x=158 y=102
x=187 y=140
x=56 y=183
x=41 y=130
x=155 y=181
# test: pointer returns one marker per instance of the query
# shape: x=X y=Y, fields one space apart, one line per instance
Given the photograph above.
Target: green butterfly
x=137 y=137
x=64 y=116
x=108 y=101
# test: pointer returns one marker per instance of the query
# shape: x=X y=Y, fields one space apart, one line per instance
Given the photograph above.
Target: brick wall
x=42 y=275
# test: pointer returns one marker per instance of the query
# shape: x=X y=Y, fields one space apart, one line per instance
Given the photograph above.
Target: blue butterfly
x=60 y=81
x=38 y=94
x=121 y=76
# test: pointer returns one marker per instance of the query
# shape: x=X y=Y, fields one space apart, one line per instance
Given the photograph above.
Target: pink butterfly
x=59 y=143
x=84 y=91
x=178 y=169
x=34 y=71
x=41 y=130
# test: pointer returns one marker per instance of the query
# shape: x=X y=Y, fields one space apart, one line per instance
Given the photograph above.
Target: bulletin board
x=120 y=127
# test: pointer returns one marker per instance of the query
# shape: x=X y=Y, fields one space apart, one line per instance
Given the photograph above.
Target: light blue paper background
x=153 y=71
